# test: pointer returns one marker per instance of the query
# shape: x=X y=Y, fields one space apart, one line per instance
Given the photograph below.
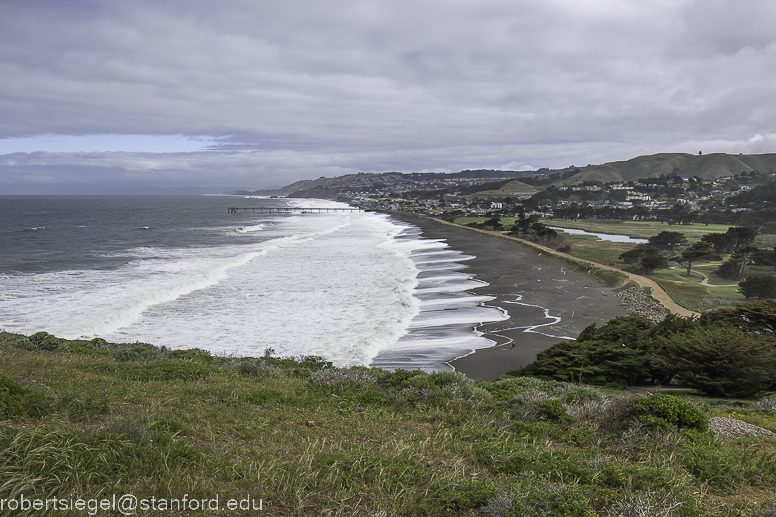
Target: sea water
x=357 y=288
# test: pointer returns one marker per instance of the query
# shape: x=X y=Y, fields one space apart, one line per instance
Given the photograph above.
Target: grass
x=639 y=229
x=92 y=419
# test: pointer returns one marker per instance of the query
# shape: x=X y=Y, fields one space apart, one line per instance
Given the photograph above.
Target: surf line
x=508 y=340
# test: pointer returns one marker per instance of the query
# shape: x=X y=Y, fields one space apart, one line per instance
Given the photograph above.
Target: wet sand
x=533 y=289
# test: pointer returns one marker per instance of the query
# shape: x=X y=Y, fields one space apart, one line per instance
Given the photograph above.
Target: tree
x=753 y=317
x=600 y=355
x=718 y=242
x=646 y=257
x=650 y=263
x=652 y=342
x=758 y=286
x=667 y=240
x=699 y=250
x=735 y=265
x=741 y=236
x=722 y=362
x=493 y=222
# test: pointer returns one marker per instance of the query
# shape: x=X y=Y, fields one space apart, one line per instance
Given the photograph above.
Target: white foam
x=344 y=286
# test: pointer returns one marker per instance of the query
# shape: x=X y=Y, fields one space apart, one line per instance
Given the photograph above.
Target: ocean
x=356 y=288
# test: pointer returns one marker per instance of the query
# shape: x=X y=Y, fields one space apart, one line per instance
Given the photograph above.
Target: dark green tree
x=646 y=257
x=722 y=361
x=740 y=236
x=698 y=251
x=735 y=265
x=758 y=287
x=651 y=343
x=757 y=316
x=606 y=355
x=650 y=263
x=666 y=240
x=718 y=241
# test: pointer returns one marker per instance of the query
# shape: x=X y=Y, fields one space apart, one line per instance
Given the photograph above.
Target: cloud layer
x=302 y=89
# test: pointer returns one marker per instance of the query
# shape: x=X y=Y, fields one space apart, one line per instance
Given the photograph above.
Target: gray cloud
x=312 y=88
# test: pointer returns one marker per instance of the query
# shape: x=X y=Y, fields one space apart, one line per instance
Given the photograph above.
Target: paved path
x=705 y=282
x=657 y=292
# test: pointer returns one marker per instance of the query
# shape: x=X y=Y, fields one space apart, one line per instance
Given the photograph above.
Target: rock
x=730 y=429
x=639 y=303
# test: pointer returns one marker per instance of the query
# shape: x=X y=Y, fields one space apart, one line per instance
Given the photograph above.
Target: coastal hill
x=709 y=166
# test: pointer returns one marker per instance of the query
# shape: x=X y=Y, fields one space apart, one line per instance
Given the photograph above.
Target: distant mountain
x=669 y=164
x=706 y=166
x=328 y=188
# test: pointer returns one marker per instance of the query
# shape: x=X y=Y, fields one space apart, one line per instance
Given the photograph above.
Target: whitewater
x=356 y=288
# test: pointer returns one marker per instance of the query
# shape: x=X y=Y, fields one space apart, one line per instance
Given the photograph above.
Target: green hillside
x=513 y=188
x=685 y=165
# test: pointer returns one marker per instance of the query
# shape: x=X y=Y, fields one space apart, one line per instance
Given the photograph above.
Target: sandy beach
x=544 y=299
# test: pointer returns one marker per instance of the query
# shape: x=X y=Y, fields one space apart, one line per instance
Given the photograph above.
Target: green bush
x=553 y=411
x=668 y=412
x=504 y=390
x=45 y=341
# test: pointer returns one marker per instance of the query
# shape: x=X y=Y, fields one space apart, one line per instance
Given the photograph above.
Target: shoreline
x=546 y=302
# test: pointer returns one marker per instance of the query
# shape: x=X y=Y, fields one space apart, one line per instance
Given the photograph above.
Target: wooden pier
x=290 y=210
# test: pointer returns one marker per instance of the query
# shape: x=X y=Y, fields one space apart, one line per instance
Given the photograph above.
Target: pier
x=290 y=210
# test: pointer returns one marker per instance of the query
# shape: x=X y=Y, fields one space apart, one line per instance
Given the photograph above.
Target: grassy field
x=638 y=229
x=513 y=188
x=92 y=419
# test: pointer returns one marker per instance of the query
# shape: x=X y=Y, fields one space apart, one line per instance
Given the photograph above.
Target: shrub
x=553 y=410
x=574 y=394
x=667 y=411
x=45 y=341
x=542 y=498
x=503 y=390
x=342 y=377
x=765 y=403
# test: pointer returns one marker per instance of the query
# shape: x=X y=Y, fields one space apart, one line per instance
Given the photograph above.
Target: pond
x=602 y=236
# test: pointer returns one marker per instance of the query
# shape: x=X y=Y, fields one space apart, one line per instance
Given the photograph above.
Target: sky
x=99 y=96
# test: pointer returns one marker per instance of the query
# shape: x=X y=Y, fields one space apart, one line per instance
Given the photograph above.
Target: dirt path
x=657 y=292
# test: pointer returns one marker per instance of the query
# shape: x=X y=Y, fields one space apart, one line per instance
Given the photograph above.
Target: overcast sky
x=122 y=96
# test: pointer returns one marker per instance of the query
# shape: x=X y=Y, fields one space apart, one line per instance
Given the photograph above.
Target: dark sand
x=519 y=273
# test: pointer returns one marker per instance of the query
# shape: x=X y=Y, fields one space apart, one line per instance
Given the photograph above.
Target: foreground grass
x=92 y=419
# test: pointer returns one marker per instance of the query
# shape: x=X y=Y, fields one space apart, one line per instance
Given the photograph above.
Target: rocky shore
x=637 y=302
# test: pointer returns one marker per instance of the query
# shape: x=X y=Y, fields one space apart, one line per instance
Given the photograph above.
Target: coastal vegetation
x=730 y=354
x=91 y=419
